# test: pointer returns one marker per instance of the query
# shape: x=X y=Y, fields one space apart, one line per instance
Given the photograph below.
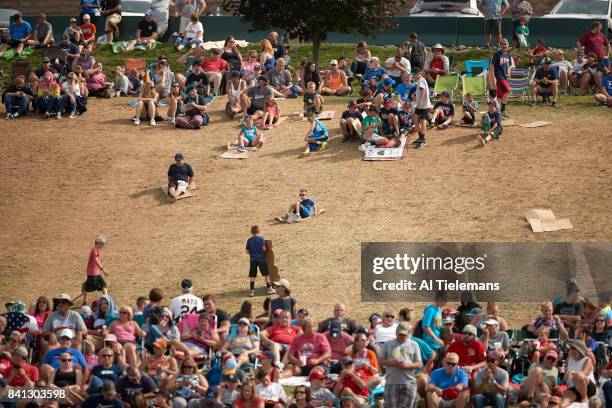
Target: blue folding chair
x=475 y=67
x=252 y=365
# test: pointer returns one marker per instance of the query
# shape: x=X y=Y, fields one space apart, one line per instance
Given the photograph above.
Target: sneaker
x=152 y=122
x=270 y=290
x=279 y=365
x=362 y=147
x=533 y=103
x=133 y=119
x=47 y=115
x=15 y=115
x=251 y=293
x=323 y=146
x=421 y=144
x=482 y=140
x=8 y=116
x=72 y=115
x=167 y=118
x=59 y=115
x=173 y=123
x=416 y=142
x=259 y=145
x=303 y=155
x=554 y=104
x=285 y=216
x=136 y=122
x=241 y=149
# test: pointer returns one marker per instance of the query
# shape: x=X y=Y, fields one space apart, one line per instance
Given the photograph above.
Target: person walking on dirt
x=256 y=248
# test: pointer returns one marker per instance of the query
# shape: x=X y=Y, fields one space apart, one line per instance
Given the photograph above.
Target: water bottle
x=218 y=11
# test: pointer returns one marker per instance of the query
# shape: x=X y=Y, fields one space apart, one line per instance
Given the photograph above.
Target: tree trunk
x=316 y=44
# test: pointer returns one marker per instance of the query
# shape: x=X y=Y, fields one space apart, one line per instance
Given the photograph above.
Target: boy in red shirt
x=95 y=282
x=538 y=53
x=89 y=33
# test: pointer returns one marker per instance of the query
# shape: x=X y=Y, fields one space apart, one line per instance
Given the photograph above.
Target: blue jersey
x=441 y=379
x=606 y=84
x=307 y=208
x=319 y=129
x=501 y=65
x=20 y=31
x=406 y=91
x=249 y=133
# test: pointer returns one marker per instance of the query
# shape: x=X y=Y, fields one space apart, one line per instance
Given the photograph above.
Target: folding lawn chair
x=477 y=86
x=22 y=68
x=519 y=84
x=475 y=67
x=253 y=363
x=446 y=83
x=59 y=59
x=136 y=63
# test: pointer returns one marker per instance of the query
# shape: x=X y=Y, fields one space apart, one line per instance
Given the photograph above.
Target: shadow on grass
x=461 y=140
x=155 y=192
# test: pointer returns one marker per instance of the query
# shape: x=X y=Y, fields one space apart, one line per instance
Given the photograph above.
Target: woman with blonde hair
x=266 y=55
x=248 y=398
x=126 y=330
x=189 y=386
x=146 y=108
x=361 y=58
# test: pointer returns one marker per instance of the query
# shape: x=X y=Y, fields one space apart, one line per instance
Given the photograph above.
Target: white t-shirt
x=396 y=72
x=273 y=392
x=192 y=30
x=383 y=334
x=564 y=65
x=185 y=304
x=421 y=99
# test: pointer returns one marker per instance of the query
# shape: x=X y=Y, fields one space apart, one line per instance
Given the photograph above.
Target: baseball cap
x=262 y=78
x=277 y=312
x=403 y=328
x=316 y=375
x=66 y=333
x=335 y=328
x=387 y=101
x=504 y=42
x=110 y=337
x=108 y=386
x=470 y=329
x=282 y=282
x=333 y=62
x=160 y=343
x=580 y=52
x=351 y=103
x=388 y=81
x=449 y=311
x=100 y=240
x=179 y=156
x=85 y=310
x=21 y=351
x=230 y=366
x=185 y=283
x=473 y=312
x=552 y=353
x=148 y=12
x=345 y=361
x=444 y=94
x=491 y=320
x=496 y=355
x=448 y=319
x=86 y=17
x=17 y=15
x=245 y=321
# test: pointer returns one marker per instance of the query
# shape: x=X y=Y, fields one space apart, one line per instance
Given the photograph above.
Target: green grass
x=299 y=52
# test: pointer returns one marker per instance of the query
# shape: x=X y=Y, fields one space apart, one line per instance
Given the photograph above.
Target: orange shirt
x=89 y=31
x=214 y=65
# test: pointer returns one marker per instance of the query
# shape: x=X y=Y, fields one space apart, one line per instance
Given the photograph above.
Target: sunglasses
x=390 y=315
x=106 y=355
x=165 y=317
x=450 y=364
x=491 y=360
x=123 y=312
x=302 y=195
x=300 y=392
x=175 y=86
x=66 y=360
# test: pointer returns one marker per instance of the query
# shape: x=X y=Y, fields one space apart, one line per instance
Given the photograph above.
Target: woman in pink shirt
x=126 y=330
x=97 y=84
x=40 y=311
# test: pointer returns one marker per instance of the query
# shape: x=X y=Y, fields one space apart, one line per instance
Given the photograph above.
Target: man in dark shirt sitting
x=280 y=51
x=180 y=177
x=17 y=99
x=545 y=82
x=146 y=34
x=199 y=78
x=107 y=398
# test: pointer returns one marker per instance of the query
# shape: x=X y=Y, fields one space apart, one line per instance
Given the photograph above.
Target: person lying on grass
x=304 y=208
x=316 y=136
x=491 y=124
x=443 y=113
x=249 y=136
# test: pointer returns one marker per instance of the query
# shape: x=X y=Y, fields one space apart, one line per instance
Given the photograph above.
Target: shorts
x=591 y=391
x=502 y=88
x=263 y=268
x=249 y=140
x=12 y=42
x=422 y=113
x=496 y=133
x=94 y=284
x=376 y=137
x=468 y=120
x=179 y=185
x=112 y=19
x=315 y=146
x=306 y=212
x=492 y=27
x=252 y=109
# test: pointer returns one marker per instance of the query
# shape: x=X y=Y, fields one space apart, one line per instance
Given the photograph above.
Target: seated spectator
x=231 y=53
x=47 y=95
x=335 y=82
x=301 y=398
x=366 y=361
x=350 y=384
x=538 y=53
x=348 y=325
x=397 y=66
x=313 y=102
x=127 y=331
x=134 y=382
x=72 y=51
x=365 y=100
x=201 y=339
x=235 y=90
x=272 y=392
x=251 y=67
x=416 y=53
x=189 y=385
x=343 y=66
x=320 y=395
x=97 y=83
x=602 y=332
x=311 y=74
x=20 y=31
x=340 y=344
x=491 y=124
x=194 y=111
x=134 y=82
x=107 y=397
x=43 y=33
x=493 y=337
x=443 y=112
x=386 y=331
x=350 y=122
x=280 y=50
x=19 y=373
x=470 y=109
x=384 y=90
x=17 y=99
x=51 y=360
x=163 y=78
x=579 y=375
x=66 y=376
x=470 y=350
x=564 y=68
x=176 y=103
x=374 y=71
x=545 y=83
x=570 y=310
x=389 y=116
x=71 y=95
x=228 y=391
x=86 y=61
x=592 y=73
x=281 y=82
x=271 y=113
x=248 y=397
x=75 y=35
x=214 y=68
x=436 y=64
x=198 y=79
x=105 y=371
x=550 y=320
x=578 y=65
x=406 y=115
x=146 y=33
x=406 y=89
x=266 y=56
x=38 y=73
x=88 y=41
x=361 y=58
x=278 y=336
x=541 y=380
x=309 y=349
x=193 y=34
x=244 y=343
x=146 y=108
x=491 y=383
x=448 y=385
x=316 y=137
x=121 y=84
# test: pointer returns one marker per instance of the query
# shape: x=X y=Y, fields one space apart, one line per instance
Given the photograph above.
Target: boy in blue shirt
x=491 y=124
x=256 y=248
x=249 y=136
x=316 y=137
x=605 y=98
x=305 y=208
x=20 y=32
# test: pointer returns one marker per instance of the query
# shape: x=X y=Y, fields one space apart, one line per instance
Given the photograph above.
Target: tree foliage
x=311 y=20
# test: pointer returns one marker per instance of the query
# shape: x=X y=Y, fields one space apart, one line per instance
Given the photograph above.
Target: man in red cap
x=541 y=379
x=491 y=383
